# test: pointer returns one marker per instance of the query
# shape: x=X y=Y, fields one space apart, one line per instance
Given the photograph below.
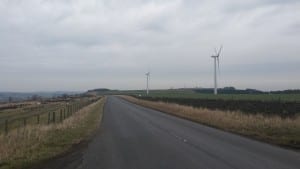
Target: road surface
x=134 y=137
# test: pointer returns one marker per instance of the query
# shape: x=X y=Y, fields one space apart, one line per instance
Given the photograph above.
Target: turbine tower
x=148 y=77
x=216 y=59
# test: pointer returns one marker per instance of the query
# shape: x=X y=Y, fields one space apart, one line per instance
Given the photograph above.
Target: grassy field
x=28 y=110
x=275 y=107
x=14 y=116
x=31 y=145
x=192 y=94
x=41 y=113
x=268 y=104
x=271 y=129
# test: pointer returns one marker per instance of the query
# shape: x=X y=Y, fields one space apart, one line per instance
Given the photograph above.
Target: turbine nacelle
x=217 y=53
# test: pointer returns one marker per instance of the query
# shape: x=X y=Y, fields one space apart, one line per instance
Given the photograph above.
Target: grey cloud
x=110 y=42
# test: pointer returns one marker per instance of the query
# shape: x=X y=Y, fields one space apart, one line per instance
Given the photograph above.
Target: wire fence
x=42 y=115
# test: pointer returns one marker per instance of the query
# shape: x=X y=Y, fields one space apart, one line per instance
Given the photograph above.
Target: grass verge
x=23 y=148
x=272 y=129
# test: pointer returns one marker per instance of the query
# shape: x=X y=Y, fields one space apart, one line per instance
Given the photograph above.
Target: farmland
x=18 y=115
x=29 y=140
x=190 y=93
x=270 y=107
x=268 y=104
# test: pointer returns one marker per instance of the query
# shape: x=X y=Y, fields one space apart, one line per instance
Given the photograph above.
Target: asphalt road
x=134 y=137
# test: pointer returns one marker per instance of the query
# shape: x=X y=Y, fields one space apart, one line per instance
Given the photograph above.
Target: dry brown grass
x=35 y=142
x=272 y=129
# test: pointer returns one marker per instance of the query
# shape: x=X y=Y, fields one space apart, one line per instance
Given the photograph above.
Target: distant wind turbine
x=216 y=59
x=148 y=78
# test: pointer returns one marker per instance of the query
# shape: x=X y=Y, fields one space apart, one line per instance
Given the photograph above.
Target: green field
x=264 y=97
x=191 y=94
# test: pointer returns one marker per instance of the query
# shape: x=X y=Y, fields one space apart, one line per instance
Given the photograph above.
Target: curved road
x=134 y=137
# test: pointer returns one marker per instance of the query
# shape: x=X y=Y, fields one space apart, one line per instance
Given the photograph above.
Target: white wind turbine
x=216 y=59
x=148 y=78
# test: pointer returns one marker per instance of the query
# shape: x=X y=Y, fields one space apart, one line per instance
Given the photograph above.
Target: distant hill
x=225 y=90
x=99 y=90
x=19 y=96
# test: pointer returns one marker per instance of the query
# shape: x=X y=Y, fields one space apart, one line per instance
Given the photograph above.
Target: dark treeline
x=99 y=90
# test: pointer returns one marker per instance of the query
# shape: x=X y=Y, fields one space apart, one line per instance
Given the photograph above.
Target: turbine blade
x=216 y=51
x=220 y=50
x=218 y=64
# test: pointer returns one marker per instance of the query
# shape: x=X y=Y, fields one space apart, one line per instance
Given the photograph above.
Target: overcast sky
x=50 y=45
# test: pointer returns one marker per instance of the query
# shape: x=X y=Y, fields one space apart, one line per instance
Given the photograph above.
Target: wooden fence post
x=53 y=116
x=38 y=119
x=6 y=127
x=64 y=113
x=24 y=121
x=61 y=117
x=49 y=116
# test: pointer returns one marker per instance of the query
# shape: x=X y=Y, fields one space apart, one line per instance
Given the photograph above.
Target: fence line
x=62 y=112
